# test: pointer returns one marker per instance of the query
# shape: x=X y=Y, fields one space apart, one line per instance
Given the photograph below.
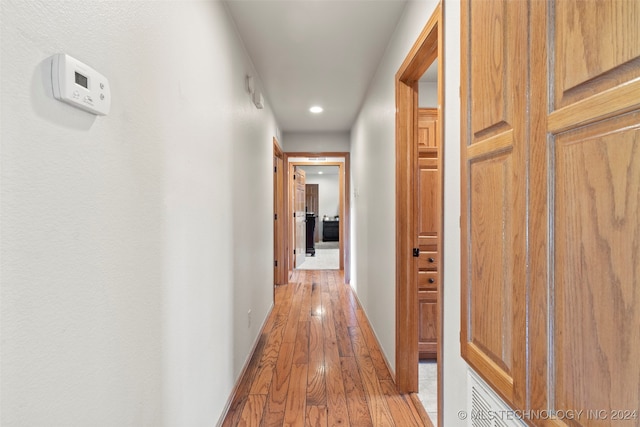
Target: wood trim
x=345 y=201
x=289 y=210
x=347 y=220
x=496 y=376
x=317 y=154
x=406 y=284
x=615 y=101
x=502 y=141
x=538 y=229
x=425 y=50
x=422 y=413
x=279 y=249
x=441 y=233
x=465 y=136
x=276 y=148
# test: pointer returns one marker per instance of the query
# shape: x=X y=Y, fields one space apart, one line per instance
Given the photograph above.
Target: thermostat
x=79 y=85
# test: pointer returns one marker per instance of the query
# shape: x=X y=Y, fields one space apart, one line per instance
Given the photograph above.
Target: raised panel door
x=429 y=195
x=587 y=173
x=300 y=217
x=494 y=96
x=595 y=289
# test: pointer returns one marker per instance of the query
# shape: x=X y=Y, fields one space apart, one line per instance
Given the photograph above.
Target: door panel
x=596 y=47
x=594 y=205
x=427 y=324
x=596 y=343
x=312 y=193
x=300 y=216
x=495 y=75
x=428 y=197
x=491 y=263
x=428 y=221
x=494 y=193
x=560 y=290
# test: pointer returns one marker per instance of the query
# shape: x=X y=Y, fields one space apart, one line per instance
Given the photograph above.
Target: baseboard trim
x=384 y=357
x=234 y=391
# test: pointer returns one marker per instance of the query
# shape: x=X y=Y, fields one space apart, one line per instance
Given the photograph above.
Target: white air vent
x=486 y=408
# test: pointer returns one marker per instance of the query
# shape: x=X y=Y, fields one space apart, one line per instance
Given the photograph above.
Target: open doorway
x=331 y=223
x=322 y=210
x=419 y=237
x=429 y=186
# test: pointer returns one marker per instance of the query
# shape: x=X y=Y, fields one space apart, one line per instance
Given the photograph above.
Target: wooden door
x=428 y=196
x=300 y=216
x=279 y=222
x=312 y=192
x=551 y=205
x=493 y=222
x=585 y=172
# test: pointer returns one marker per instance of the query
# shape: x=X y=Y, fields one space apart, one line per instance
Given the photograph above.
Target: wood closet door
x=551 y=205
x=494 y=93
x=429 y=263
x=585 y=171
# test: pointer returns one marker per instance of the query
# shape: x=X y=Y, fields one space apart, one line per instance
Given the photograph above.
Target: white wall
x=428 y=95
x=337 y=142
x=133 y=244
x=373 y=203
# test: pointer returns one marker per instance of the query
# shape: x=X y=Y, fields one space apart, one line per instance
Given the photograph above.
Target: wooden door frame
x=425 y=50
x=279 y=233
x=345 y=204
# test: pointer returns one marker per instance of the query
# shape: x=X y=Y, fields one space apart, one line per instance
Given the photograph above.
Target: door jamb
x=428 y=47
x=345 y=202
x=280 y=276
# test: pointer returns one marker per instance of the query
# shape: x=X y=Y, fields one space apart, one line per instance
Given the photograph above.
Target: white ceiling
x=315 y=52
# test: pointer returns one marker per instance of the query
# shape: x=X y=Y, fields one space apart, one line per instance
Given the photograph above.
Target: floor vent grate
x=486 y=409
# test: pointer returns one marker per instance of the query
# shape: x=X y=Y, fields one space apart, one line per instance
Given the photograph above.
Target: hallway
x=317 y=362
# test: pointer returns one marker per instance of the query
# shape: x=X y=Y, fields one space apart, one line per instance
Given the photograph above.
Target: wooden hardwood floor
x=318 y=363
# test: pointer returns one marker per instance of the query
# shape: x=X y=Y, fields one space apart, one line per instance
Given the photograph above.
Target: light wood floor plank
x=295 y=413
x=318 y=363
x=316 y=416
x=252 y=412
x=359 y=414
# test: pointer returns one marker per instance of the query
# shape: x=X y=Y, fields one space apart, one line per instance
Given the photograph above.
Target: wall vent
x=486 y=408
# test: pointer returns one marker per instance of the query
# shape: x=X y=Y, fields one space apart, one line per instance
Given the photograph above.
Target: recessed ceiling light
x=316 y=109
x=320 y=173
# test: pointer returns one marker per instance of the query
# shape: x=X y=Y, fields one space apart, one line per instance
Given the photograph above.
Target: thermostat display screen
x=82 y=80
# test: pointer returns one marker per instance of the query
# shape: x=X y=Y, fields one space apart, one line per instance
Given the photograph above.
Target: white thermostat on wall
x=79 y=85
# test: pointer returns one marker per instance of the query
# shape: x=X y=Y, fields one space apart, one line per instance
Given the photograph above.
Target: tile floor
x=428 y=388
x=324 y=259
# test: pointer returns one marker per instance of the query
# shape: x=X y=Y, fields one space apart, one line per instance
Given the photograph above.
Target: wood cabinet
x=551 y=204
x=330 y=231
x=429 y=212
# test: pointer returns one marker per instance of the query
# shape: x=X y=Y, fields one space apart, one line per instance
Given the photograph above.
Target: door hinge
x=275 y=263
x=294 y=251
x=294 y=177
x=294 y=214
x=275 y=169
x=275 y=217
x=416 y=252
